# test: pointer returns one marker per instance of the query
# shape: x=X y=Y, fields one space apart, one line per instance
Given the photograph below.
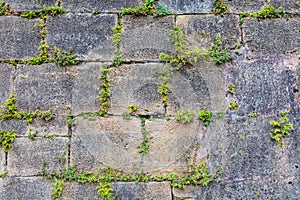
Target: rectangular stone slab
x=187 y=6
x=6 y=81
x=88 y=35
x=19 y=38
x=29 y=5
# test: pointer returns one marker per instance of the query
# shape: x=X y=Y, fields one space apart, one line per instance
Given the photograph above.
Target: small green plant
x=218 y=53
x=31 y=134
x=104 y=92
x=3 y=174
x=64 y=58
x=57 y=189
x=52 y=11
x=5 y=10
x=233 y=106
x=281 y=128
x=184 y=117
x=6 y=139
x=205 y=116
x=220 y=8
x=254 y=115
x=266 y=12
x=231 y=88
x=146 y=138
x=116 y=39
x=164 y=91
x=105 y=191
x=132 y=108
x=147 y=7
x=50 y=136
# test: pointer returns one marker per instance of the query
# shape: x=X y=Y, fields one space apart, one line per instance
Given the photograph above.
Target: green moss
x=105 y=191
x=6 y=139
x=220 y=8
x=116 y=39
x=50 y=136
x=266 y=12
x=52 y=11
x=104 y=92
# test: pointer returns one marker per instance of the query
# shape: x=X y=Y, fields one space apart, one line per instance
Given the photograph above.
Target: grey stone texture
x=101 y=142
x=25 y=188
x=19 y=38
x=86 y=85
x=88 y=35
x=46 y=87
x=6 y=81
x=144 y=38
x=264 y=37
x=79 y=191
x=202 y=30
x=32 y=5
x=170 y=142
x=19 y=126
x=26 y=157
x=288 y=5
x=188 y=6
x=237 y=6
x=196 y=87
x=135 y=85
x=96 y=5
x=251 y=189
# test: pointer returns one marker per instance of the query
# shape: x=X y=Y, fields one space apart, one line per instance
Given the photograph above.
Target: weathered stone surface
x=187 y=6
x=25 y=188
x=46 y=87
x=263 y=86
x=87 y=81
x=26 y=157
x=288 y=5
x=271 y=36
x=19 y=126
x=196 y=87
x=250 y=189
x=87 y=34
x=32 y=5
x=137 y=85
x=2 y=162
x=101 y=142
x=202 y=30
x=144 y=38
x=171 y=141
x=96 y=5
x=6 y=81
x=19 y=39
x=73 y=190
x=151 y=190
x=244 y=5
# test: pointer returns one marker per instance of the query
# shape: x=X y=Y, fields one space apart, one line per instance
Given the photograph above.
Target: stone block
x=202 y=30
x=26 y=157
x=102 y=142
x=96 y=5
x=87 y=82
x=288 y=5
x=144 y=38
x=170 y=142
x=263 y=86
x=46 y=87
x=267 y=37
x=88 y=35
x=73 y=190
x=135 y=84
x=6 y=81
x=29 y=5
x=187 y=6
x=19 y=38
x=25 y=188
x=19 y=126
x=151 y=190
x=237 y=6
x=196 y=87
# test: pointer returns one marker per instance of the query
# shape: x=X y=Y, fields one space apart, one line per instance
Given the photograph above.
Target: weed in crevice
x=116 y=39
x=5 y=10
x=104 y=92
x=52 y=11
x=32 y=134
x=281 y=128
x=3 y=174
x=220 y=8
x=64 y=58
x=253 y=115
x=184 y=117
x=146 y=138
x=57 y=189
x=219 y=54
x=205 y=116
x=233 y=106
x=266 y=12
x=105 y=191
x=50 y=136
x=231 y=88
x=6 y=139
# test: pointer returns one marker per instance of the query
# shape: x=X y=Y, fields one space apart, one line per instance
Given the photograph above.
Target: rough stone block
x=202 y=30
x=73 y=190
x=196 y=87
x=288 y=5
x=263 y=86
x=187 y=6
x=171 y=141
x=32 y=5
x=88 y=35
x=6 y=81
x=96 y=5
x=137 y=85
x=151 y=190
x=252 y=189
x=236 y=6
x=102 y=142
x=144 y=38
x=19 y=38
x=26 y=157
x=87 y=81
x=267 y=37
x=46 y=87
x=25 y=188
x=19 y=126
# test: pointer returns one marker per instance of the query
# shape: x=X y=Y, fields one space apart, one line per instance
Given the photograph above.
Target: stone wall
x=265 y=68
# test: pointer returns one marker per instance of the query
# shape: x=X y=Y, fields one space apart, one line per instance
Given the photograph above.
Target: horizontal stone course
x=29 y=5
x=187 y=6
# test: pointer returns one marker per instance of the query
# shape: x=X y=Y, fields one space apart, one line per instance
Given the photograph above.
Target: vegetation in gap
x=64 y=58
x=104 y=92
x=50 y=136
x=52 y=11
x=219 y=54
x=146 y=138
x=231 y=88
x=233 y=106
x=205 y=116
x=116 y=39
x=184 y=116
x=266 y=12
x=281 y=128
x=221 y=8
x=6 y=139
x=148 y=7
x=57 y=189
x=254 y=115
x=5 y=10
x=32 y=134
x=105 y=191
